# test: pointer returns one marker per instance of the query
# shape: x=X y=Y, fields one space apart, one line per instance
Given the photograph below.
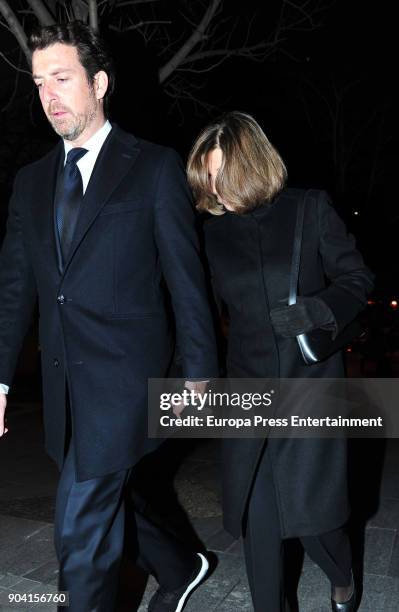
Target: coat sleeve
x=177 y=242
x=350 y=280
x=17 y=291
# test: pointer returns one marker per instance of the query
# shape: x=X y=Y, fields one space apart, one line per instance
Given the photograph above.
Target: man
x=96 y=230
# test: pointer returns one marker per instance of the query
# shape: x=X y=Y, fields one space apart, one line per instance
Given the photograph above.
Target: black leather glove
x=308 y=313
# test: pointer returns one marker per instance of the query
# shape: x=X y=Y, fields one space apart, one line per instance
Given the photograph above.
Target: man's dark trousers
x=89 y=536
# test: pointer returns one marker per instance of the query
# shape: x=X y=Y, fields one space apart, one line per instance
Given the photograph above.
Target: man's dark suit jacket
x=104 y=324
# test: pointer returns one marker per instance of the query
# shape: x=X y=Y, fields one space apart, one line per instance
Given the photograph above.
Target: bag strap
x=296 y=252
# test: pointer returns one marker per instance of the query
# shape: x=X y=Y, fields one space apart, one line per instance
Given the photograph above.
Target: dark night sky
x=356 y=46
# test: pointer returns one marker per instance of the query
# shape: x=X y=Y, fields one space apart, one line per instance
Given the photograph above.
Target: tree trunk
x=45 y=18
x=80 y=10
x=93 y=15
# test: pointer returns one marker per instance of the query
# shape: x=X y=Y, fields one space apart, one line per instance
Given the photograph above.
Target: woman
x=279 y=488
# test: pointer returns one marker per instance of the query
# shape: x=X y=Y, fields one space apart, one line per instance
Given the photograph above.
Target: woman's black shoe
x=345 y=606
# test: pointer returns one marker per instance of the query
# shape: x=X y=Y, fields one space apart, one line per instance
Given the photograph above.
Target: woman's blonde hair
x=252 y=172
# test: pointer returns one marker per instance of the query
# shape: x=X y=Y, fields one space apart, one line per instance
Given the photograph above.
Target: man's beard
x=74 y=124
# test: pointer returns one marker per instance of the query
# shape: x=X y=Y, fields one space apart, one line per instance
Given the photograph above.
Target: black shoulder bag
x=315 y=345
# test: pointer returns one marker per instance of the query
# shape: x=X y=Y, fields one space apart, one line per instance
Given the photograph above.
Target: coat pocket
x=125 y=206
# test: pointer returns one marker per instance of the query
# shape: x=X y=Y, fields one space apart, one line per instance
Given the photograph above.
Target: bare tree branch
x=45 y=18
x=179 y=92
x=15 y=27
x=131 y=2
x=248 y=51
x=10 y=63
x=80 y=9
x=93 y=15
x=193 y=40
x=5 y=25
x=138 y=26
x=215 y=44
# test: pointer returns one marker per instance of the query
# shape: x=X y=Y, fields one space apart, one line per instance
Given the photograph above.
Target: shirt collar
x=95 y=142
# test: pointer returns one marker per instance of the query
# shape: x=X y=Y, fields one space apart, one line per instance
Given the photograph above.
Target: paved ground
x=27 y=562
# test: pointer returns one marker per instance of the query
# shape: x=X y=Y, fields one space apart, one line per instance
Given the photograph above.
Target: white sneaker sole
x=203 y=571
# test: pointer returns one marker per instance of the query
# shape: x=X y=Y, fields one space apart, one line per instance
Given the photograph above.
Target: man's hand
x=3 y=406
x=197 y=387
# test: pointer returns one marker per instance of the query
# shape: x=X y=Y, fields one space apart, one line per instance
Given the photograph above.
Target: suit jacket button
x=61 y=299
x=56 y=363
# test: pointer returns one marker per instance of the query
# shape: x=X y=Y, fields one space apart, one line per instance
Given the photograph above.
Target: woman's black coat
x=250 y=259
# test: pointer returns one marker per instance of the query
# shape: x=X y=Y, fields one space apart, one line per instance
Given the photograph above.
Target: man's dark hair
x=92 y=50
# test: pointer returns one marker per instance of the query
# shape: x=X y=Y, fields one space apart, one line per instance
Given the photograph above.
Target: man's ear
x=100 y=84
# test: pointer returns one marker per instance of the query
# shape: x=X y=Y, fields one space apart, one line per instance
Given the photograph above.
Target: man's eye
x=38 y=85
x=60 y=80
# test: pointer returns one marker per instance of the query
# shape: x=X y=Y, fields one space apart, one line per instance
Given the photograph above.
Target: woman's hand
x=308 y=313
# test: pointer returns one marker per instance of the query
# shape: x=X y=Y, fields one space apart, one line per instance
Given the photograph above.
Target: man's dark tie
x=69 y=199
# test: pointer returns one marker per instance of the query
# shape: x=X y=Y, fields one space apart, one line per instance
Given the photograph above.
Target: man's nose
x=48 y=94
